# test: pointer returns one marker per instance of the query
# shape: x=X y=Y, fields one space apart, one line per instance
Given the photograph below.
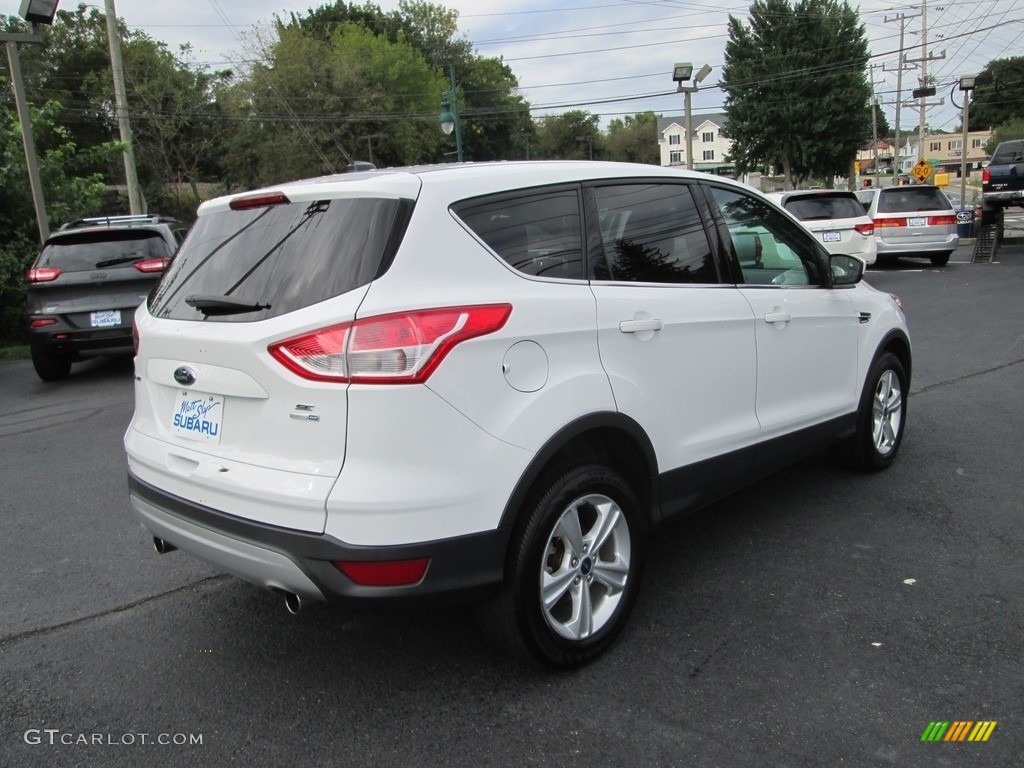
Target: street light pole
x=42 y=222
x=135 y=201
x=449 y=118
x=681 y=74
x=966 y=86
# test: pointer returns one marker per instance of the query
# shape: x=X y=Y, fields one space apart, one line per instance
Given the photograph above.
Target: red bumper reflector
x=40 y=322
x=384 y=573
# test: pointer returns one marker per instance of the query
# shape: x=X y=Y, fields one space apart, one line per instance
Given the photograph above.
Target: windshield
x=828 y=206
x=1009 y=152
x=277 y=259
x=912 y=199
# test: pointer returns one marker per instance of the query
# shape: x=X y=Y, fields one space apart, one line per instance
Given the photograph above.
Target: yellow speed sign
x=922 y=171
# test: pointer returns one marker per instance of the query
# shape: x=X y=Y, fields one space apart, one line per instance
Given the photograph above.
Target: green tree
x=634 y=139
x=797 y=95
x=70 y=188
x=1008 y=131
x=999 y=95
x=569 y=136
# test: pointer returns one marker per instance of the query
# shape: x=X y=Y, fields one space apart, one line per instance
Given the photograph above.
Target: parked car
x=85 y=284
x=491 y=382
x=1002 y=180
x=836 y=218
x=916 y=221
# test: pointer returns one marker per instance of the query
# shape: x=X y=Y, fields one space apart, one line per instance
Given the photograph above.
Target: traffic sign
x=922 y=171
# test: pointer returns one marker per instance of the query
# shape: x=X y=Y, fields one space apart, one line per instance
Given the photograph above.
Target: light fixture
x=446 y=118
x=967 y=82
x=681 y=72
x=38 y=11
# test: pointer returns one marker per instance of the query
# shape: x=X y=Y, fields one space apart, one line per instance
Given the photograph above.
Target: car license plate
x=831 y=237
x=919 y=221
x=108 y=318
x=198 y=416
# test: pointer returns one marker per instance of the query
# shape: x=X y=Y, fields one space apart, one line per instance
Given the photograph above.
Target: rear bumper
x=911 y=246
x=63 y=339
x=461 y=569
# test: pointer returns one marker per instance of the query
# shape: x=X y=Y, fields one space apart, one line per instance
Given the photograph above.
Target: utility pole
x=924 y=91
x=903 y=65
x=874 y=120
x=135 y=201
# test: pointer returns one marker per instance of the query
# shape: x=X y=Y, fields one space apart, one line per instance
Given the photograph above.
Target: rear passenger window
x=537 y=234
x=652 y=233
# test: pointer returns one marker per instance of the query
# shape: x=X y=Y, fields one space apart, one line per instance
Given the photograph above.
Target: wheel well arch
x=609 y=438
x=898 y=344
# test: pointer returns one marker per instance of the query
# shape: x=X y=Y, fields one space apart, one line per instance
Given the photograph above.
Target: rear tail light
x=986 y=176
x=865 y=229
x=937 y=220
x=401 y=348
x=882 y=223
x=265 y=200
x=42 y=274
x=42 y=322
x=390 y=573
x=152 y=265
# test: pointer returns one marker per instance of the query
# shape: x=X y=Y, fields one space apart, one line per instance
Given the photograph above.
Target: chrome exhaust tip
x=293 y=603
x=162 y=547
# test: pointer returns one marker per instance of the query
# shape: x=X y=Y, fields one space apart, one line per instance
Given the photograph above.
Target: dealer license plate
x=831 y=237
x=198 y=416
x=108 y=318
x=918 y=221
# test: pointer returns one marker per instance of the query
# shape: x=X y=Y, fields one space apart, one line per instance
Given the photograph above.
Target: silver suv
x=492 y=381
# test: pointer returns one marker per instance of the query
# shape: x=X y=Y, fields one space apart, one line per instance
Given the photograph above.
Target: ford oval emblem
x=185 y=376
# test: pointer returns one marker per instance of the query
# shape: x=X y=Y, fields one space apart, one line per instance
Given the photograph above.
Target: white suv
x=492 y=382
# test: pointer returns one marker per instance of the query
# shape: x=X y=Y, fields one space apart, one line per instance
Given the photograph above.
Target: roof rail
x=140 y=218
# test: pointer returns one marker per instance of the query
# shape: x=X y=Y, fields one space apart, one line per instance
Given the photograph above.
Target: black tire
x=605 y=580
x=50 y=366
x=881 y=417
x=940 y=259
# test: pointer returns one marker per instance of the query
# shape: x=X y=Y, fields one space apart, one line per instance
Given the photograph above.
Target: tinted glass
x=911 y=199
x=100 y=250
x=537 y=234
x=1009 y=152
x=821 y=207
x=287 y=256
x=771 y=248
x=652 y=233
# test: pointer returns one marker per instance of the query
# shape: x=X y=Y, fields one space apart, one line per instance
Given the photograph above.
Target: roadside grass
x=14 y=353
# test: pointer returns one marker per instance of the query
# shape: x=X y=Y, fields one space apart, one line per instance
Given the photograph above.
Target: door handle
x=777 y=317
x=638 y=326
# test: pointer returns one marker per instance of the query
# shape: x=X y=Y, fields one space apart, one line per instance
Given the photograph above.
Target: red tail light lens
x=259 y=201
x=936 y=220
x=865 y=229
x=402 y=348
x=152 y=265
x=391 y=573
x=882 y=223
x=42 y=274
x=42 y=322
x=986 y=176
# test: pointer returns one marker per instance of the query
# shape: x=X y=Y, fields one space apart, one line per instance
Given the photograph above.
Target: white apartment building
x=710 y=148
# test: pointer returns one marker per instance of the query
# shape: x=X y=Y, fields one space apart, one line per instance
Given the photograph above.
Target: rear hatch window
x=827 y=206
x=273 y=260
x=84 y=251
x=913 y=199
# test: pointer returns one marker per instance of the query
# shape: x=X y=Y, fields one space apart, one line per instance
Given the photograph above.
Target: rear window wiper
x=114 y=262
x=223 y=305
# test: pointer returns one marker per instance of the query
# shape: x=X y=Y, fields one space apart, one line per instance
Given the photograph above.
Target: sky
x=615 y=57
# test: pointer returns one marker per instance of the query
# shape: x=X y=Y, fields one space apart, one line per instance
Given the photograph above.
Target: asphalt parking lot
x=818 y=618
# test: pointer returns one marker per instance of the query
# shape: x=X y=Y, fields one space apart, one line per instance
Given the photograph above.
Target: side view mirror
x=846 y=270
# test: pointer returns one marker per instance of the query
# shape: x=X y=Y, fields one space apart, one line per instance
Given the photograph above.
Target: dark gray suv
x=87 y=282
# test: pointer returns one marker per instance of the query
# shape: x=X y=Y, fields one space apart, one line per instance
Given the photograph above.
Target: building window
x=674 y=138
x=708 y=137
x=675 y=157
x=709 y=154
x=976 y=143
x=935 y=146
x=958 y=144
